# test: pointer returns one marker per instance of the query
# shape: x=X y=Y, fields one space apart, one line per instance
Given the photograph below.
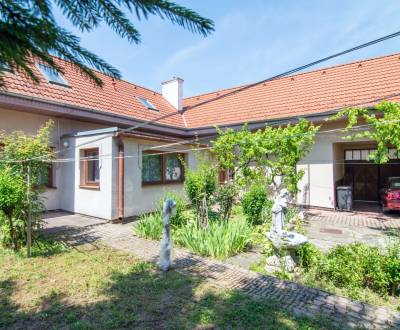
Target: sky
x=253 y=40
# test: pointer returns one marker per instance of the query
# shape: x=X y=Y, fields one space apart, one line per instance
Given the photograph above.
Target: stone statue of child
x=278 y=213
x=169 y=209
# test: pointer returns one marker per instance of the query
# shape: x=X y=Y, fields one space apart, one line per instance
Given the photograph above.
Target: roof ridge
x=216 y=91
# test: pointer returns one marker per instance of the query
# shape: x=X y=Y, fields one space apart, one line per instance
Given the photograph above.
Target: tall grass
x=220 y=239
x=150 y=226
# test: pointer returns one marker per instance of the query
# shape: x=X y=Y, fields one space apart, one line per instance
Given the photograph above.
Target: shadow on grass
x=145 y=298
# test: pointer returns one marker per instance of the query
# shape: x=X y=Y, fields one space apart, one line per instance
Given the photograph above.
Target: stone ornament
x=169 y=209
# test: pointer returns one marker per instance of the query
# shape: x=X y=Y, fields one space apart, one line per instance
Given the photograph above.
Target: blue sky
x=253 y=40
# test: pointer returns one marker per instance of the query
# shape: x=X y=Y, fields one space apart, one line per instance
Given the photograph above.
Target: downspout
x=121 y=178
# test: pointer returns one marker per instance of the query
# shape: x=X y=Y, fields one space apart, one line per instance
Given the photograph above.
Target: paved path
x=326 y=229
x=294 y=297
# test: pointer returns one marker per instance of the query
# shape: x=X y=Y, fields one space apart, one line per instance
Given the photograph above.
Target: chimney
x=172 y=91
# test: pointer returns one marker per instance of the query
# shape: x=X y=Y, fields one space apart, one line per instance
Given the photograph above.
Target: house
x=109 y=171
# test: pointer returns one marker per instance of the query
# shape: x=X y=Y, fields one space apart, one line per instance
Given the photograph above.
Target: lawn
x=94 y=287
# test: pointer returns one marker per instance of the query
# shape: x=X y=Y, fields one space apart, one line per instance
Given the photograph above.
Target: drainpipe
x=121 y=179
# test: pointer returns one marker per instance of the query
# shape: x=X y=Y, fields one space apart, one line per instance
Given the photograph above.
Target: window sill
x=89 y=187
x=151 y=184
x=50 y=187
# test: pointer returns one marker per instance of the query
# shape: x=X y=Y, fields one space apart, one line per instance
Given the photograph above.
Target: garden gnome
x=278 y=213
x=169 y=209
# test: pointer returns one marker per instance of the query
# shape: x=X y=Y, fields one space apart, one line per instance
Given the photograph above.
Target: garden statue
x=279 y=237
x=278 y=213
x=169 y=209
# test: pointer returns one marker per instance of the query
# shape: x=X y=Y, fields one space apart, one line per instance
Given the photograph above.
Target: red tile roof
x=116 y=97
x=298 y=95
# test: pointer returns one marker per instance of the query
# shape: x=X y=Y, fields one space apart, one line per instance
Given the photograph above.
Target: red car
x=390 y=195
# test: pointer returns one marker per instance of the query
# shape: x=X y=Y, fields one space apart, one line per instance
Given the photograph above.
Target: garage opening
x=352 y=168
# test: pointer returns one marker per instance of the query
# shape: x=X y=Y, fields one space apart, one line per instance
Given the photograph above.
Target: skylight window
x=147 y=103
x=52 y=75
x=5 y=67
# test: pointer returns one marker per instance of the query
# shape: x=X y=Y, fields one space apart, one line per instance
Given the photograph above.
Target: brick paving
x=370 y=220
x=294 y=297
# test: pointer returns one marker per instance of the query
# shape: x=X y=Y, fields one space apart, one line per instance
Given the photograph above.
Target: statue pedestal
x=284 y=257
x=288 y=240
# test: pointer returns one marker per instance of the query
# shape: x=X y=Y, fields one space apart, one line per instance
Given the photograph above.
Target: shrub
x=150 y=226
x=225 y=197
x=179 y=219
x=309 y=255
x=255 y=204
x=392 y=267
x=220 y=239
x=200 y=185
x=12 y=196
x=356 y=265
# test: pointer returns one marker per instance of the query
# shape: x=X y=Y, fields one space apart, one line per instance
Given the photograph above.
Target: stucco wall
x=11 y=120
x=141 y=199
x=323 y=167
x=97 y=203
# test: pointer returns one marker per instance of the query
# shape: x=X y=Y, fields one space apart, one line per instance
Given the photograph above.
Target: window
x=161 y=168
x=365 y=154
x=46 y=177
x=147 y=103
x=90 y=169
x=52 y=75
x=5 y=67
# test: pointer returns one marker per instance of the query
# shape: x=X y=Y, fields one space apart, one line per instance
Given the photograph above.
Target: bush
x=179 y=219
x=150 y=226
x=309 y=255
x=256 y=205
x=220 y=239
x=392 y=267
x=225 y=197
x=200 y=186
x=12 y=198
x=357 y=265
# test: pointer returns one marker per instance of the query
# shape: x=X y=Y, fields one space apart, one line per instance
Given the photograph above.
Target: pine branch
x=29 y=33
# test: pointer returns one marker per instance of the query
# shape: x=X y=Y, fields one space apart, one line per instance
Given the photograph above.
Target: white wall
x=317 y=187
x=11 y=120
x=97 y=203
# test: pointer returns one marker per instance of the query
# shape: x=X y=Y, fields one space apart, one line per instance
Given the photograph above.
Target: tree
x=265 y=154
x=200 y=185
x=380 y=123
x=12 y=195
x=20 y=151
x=29 y=31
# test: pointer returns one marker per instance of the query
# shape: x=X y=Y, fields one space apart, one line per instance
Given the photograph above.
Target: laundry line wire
x=283 y=74
x=73 y=159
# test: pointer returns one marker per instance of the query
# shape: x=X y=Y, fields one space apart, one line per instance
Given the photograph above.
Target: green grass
x=93 y=287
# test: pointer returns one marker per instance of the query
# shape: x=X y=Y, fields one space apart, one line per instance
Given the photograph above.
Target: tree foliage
x=12 y=195
x=380 y=124
x=29 y=31
x=18 y=151
x=255 y=203
x=269 y=153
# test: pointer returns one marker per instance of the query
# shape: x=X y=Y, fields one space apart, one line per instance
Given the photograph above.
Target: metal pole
x=29 y=222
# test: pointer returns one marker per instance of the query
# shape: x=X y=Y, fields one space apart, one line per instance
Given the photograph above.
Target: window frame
x=147 y=103
x=164 y=167
x=85 y=183
x=63 y=83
